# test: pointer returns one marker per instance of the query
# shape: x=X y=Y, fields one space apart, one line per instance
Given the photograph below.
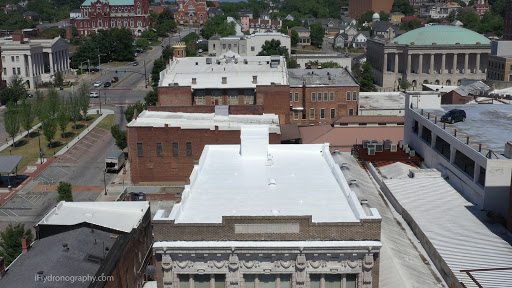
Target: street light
x=40 y=151
x=105 y=180
x=83 y=63
x=99 y=98
x=145 y=76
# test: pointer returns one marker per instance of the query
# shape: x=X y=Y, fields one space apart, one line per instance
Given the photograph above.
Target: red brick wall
x=167 y=168
x=174 y=96
x=340 y=103
x=274 y=99
x=182 y=15
x=169 y=231
x=453 y=97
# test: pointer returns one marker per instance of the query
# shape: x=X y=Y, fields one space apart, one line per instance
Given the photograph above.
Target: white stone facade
x=247 y=45
x=35 y=61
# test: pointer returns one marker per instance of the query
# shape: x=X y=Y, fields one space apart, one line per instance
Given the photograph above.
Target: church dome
x=441 y=35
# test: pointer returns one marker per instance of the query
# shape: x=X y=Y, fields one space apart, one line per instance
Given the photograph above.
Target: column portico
x=466 y=62
x=385 y=68
x=443 y=63
x=477 y=63
x=52 y=68
x=431 y=63
x=420 y=64
x=409 y=56
x=396 y=63
x=454 y=67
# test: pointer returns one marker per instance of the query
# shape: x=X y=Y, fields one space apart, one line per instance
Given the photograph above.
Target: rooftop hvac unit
x=387 y=143
x=412 y=153
x=370 y=146
x=246 y=62
x=393 y=148
x=375 y=141
x=407 y=150
x=379 y=147
x=208 y=60
x=371 y=151
x=365 y=143
x=401 y=144
x=405 y=146
x=218 y=61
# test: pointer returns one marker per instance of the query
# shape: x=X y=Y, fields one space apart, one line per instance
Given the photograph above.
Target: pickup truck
x=114 y=161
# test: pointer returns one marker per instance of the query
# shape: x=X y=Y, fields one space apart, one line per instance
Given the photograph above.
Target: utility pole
x=99 y=62
x=89 y=65
x=99 y=98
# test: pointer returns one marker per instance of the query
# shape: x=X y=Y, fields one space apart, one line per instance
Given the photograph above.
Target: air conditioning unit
x=365 y=143
x=405 y=146
x=393 y=147
x=387 y=143
x=370 y=146
x=371 y=151
x=401 y=144
x=412 y=153
x=375 y=141
x=407 y=150
x=379 y=147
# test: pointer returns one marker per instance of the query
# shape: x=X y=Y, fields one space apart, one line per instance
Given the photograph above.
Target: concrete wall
x=246 y=46
x=343 y=61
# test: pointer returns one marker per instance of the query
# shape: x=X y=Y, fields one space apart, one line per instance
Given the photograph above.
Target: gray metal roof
x=48 y=255
x=321 y=77
x=114 y=154
x=9 y=163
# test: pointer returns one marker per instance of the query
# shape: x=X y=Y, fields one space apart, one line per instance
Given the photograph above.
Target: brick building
x=356 y=8
x=261 y=25
x=481 y=6
x=107 y=240
x=191 y=12
x=164 y=146
x=321 y=95
x=254 y=84
x=257 y=215
x=102 y=14
x=507 y=29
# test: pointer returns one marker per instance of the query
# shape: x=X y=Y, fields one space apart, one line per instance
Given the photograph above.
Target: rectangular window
x=348 y=95
x=304 y=115
x=220 y=280
x=291 y=96
x=326 y=96
x=351 y=112
x=189 y=149
x=158 y=149
x=354 y=96
x=322 y=113
x=19 y=71
x=442 y=147
x=295 y=115
x=313 y=97
x=200 y=100
x=314 y=280
x=332 y=96
x=285 y=281
x=175 y=151
x=184 y=280
x=333 y=281
x=249 y=281
x=5 y=71
x=351 y=281
x=202 y=281
x=17 y=58
x=296 y=96
x=223 y=46
x=312 y=113
x=13 y=71
x=333 y=113
x=233 y=100
x=249 y=99
x=252 y=48
x=140 y=151
x=319 y=97
x=12 y=58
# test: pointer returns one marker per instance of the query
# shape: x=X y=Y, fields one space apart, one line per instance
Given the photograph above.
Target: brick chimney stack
x=2 y=267
x=17 y=36
x=24 y=245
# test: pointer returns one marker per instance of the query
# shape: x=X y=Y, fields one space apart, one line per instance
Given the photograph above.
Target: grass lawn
x=107 y=122
x=29 y=145
x=155 y=43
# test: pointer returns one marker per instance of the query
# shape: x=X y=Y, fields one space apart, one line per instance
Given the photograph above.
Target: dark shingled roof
x=9 y=163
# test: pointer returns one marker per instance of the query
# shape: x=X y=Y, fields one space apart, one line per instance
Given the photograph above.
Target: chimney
x=224 y=80
x=254 y=79
x=2 y=267
x=17 y=37
x=24 y=245
x=254 y=141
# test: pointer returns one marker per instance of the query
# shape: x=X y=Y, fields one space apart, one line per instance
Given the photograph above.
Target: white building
x=35 y=61
x=474 y=155
x=249 y=45
x=393 y=103
x=257 y=215
x=340 y=59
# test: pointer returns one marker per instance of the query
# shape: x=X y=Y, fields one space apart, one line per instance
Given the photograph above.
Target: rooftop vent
x=194 y=80
x=65 y=247
x=224 y=80
x=353 y=182
x=208 y=60
x=272 y=182
x=246 y=62
x=254 y=79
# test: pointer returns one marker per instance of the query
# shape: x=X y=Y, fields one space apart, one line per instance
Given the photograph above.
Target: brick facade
x=302 y=97
x=168 y=168
x=191 y=12
x=269 y=99
x=132 y=14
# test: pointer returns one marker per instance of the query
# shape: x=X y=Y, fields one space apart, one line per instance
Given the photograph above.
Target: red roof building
x=191 y=12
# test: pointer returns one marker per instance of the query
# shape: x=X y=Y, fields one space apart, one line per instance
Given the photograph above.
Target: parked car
x=135 y=63
x=115 y=79
x=97 y=83
x=30 y=95
x=107 y=84
x=455 y=115
x=94 y=94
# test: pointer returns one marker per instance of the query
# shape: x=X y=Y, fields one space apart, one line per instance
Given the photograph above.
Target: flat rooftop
x=122 y=216
x=321 y=77
x=85 y=255
x=489 y=125
x=204 y=120
x=457 y=230
x=237 y=71
x=258 y=179
x=382 y=100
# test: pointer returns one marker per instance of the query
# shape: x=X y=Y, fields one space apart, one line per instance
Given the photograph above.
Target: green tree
x=11 y=121
x=74 y=109
x=48 y=122
x=273 y=47
x=63 y=116
x=165 y=23
x=130 y=110
x=150 y=35
x=404 y=84
x=218 y=25
x=120 y=136
x=411 y=24
x=142 y=43
x=15 y=90
x=151 y=97
x=402 y=6
x=83 y=99
x=27 y=114
x=367 y=82
x=59 y=79
x=317 y=34
x=65 y=191
x=10 y=241
x=331 y=64
x=292 y=63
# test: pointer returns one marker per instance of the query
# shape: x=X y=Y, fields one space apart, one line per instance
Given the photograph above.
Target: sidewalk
x=116 y=187
x=23 y=134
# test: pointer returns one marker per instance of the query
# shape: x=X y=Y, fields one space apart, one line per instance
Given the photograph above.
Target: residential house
x=245 y=12
x=348 y=21
x=351 y=31
x=262 y=25
x=289 y=17
x=384 y=30
x=359 y=40
x=457 y=23
x=191 y=12
x=481 y=6
x=214 y=11
x=75 y=14
x=396 y=17
x=304 y=35
x=340 y=40
x=32 y=16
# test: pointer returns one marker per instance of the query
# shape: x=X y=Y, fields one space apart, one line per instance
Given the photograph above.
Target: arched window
x=125 y=22
x=113 y=9
x=86 y=13
x=202 y=18
x=100 y=24
x=131 y=22
x=138 y=9
x=139 y=23
x=132 y=9
x=119 y=23
x=112 y=23
x=448 y=82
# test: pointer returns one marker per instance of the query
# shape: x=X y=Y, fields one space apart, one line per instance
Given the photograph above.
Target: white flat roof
x=258 y=179
x=237 y=75
x=382 y=100
x=277 y=244
x=122 y=216
x=455 y=227
x=204 y=120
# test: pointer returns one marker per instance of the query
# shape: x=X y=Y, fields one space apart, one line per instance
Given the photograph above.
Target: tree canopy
x=273 y=47
x=10 y=241
x=317 y=34
x=218 y=25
